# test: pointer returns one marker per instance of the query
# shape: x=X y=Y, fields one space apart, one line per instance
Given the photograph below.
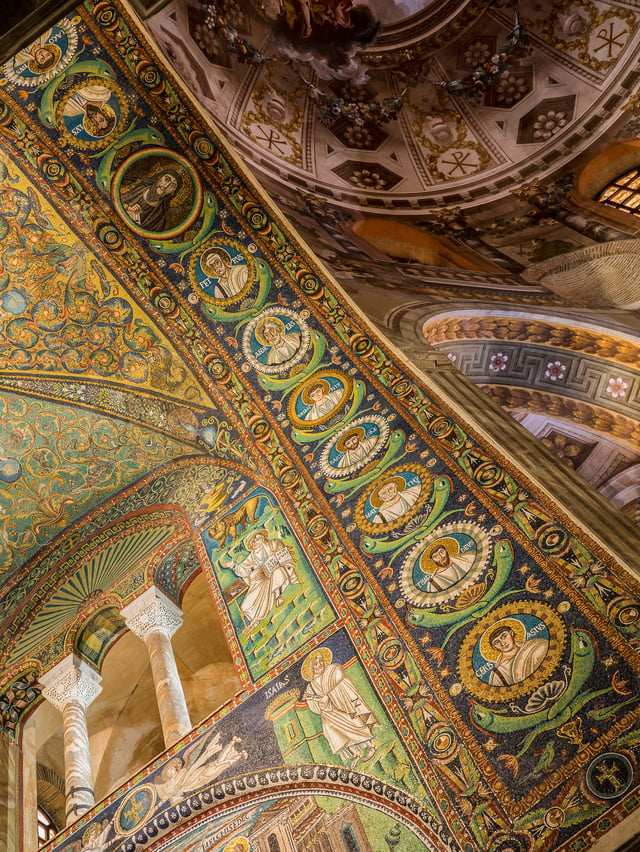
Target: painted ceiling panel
x=539 y=113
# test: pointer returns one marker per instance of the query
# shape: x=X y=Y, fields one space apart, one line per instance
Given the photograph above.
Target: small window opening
x=623 y=193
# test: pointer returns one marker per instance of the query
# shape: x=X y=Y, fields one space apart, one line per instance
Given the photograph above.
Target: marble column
x=9 y=795
x=29 y=798
x=71 y=686
x=155 y=618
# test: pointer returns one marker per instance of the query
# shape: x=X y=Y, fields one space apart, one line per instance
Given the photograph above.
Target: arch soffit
x=414 y=319
x=103 y=529
x=592 y=334
x=107 y=526
x=622 y=429
x=611 y=349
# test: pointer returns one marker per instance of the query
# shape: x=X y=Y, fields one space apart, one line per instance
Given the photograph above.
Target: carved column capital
x=150 y=612
x=71 y=680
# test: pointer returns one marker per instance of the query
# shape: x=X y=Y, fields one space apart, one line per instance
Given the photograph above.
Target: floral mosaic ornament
x=396 y=662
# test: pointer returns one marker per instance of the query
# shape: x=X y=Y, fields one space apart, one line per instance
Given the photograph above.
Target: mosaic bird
x=544 y=762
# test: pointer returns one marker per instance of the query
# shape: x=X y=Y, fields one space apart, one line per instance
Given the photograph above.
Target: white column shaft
x=78 y=778
x=71 y=686
x=169 y=693
x=155 y=618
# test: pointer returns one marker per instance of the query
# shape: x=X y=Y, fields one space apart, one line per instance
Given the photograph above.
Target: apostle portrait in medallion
x=323 y=400
x=393 y=498
x=226 y=277
x=445 y=563
x=281 y=344
x=276 y=340
x=518 y=655
x=354 y=447
x=147 y=200
x=157 y=192
x=45 y=58
x=90 y=112
x=319 y=398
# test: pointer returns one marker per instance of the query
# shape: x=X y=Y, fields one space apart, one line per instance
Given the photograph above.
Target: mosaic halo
x=370 y=432
x=305 y=412
x=222 y=272
x=276 y=340
x=540 y=638
x=138 y=179
x=394 y=498
x=426 y=583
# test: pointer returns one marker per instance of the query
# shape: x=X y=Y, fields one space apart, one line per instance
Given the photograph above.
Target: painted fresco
x=485 y=648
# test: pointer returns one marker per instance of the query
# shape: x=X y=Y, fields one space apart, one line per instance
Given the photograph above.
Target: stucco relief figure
x=444 y=565
x=268 y=570
x=201 y=764
x=282 y=344
x=516 y=659
x=224 y=278
x=393 y=498
x=147 y=200
x=347 y=722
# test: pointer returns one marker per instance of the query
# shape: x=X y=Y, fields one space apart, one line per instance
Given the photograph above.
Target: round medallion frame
x=507 y=613
x=174 y=159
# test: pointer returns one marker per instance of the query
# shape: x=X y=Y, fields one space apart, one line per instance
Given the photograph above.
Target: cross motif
x=136 y=809
x=610 y=39
x=273 y=139
x=460 y=162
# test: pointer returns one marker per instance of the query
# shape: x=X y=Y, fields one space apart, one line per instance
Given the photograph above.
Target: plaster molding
x=150 y=612
x=71 y=680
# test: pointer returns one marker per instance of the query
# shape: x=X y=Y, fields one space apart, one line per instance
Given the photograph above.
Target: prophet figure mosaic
x=412 y=621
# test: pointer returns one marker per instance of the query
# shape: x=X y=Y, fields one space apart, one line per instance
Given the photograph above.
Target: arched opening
x=46 y=827
x=623 y=193
x=125 y=731
x=406 y=242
